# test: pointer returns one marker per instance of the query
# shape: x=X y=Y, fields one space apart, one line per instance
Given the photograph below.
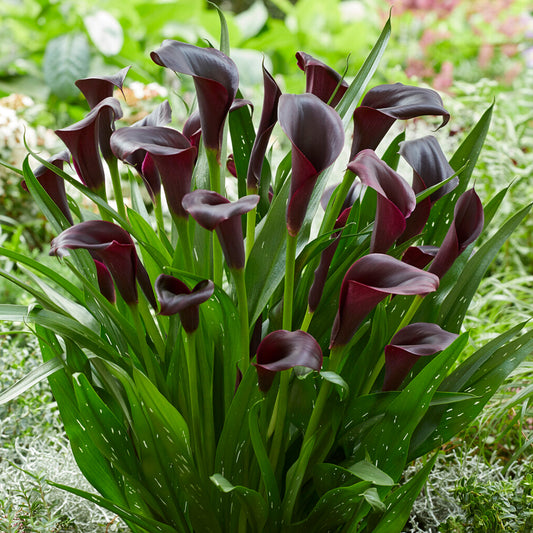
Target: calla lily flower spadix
x=190 y=406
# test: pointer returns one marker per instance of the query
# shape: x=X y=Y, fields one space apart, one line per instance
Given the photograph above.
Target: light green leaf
x=370 y=472
x=66 y=59
x=342 y=387
x=252 y=502
x=251 y=21
x=32 y=378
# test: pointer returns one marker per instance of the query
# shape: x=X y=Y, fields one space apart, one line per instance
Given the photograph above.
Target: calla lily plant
x=282 y=362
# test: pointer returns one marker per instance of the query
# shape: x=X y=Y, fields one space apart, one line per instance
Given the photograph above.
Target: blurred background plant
x=477 y=50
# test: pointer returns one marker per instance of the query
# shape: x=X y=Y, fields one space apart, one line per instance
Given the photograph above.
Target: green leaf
x=103 y=428
x=252 y=21
x=351 y=97
x=370 y=472
x=273 y=504
x=342 y=387
x=30 y=379
x=252 y=502
x=224 y=33
x=149 y=524
x=66 y=59
x=387 y=443
x=334 y=509
x=400 y=502
x=481 y=375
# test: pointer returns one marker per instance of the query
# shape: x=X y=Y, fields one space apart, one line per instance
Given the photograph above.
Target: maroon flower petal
x=317 y=137
x=105 y=281
x=368 y=281
x=269 y=117
x=320 y=79
x=192 y=129
x=281 y=350
x=216 y=80
x=215 y=212
x=82 y=141
x=396 y=199
x=53 y=184
x=465 y=229
x=415 y=340
x=169 y=150
x=385 y=104
x=321 y=272
x=419 y=256
x=98 y=88
x=160 y=116
x=95 y=90
x=111 y=245
x=175 y=297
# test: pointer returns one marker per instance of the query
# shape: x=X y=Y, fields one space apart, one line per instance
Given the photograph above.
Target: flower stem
x=294 y=483
x=158 y=211
x=307 y=320
x=288 y=293
x=250 y=225
x=146 y=356
x=112 y=164
x=184 y=244
x=194 y=409
x=216 y=185
x=242 y=301
x=333 y=210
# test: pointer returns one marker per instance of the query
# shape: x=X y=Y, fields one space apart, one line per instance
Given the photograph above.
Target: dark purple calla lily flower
x=98 y=88
x=415 y=340
x=269 y=117
x=159 y=116
x=370 y=280
x=430 y=167
x=385 y=104
x=420 y=256
x=281 y=350
x=320 y=79
x=317 y=137
x=465 y=229
x=216 y=80
x=82 y=141
x=105 y=281
x=175 y=297
x=168 y=150
x=53 y=184
x=192 y=129
x=95 y=90
x=215 y=212
x=321 y=272
x=396 y=199
x=114 y=247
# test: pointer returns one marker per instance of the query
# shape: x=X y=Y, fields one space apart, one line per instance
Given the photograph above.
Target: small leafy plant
x=220 y=365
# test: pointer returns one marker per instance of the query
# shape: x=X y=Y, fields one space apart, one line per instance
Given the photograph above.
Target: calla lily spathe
x=114 y=247
x=317 y=137
x=369 y=281
x=281 y=350
x=216 y=80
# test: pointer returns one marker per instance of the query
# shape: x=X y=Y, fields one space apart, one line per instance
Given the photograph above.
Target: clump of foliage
x=221 y=365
